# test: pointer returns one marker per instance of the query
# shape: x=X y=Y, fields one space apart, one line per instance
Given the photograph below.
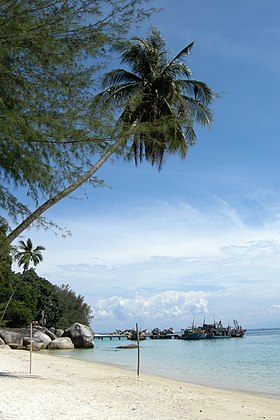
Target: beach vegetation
x=36 y=299
x=77 y=309
x=26 y=297
x=24 y=254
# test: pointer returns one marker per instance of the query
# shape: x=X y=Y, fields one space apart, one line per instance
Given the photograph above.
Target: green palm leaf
x=28 y=254
x=185 y=51
x=120 y=76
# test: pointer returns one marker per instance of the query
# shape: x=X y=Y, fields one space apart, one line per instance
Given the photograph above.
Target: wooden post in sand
x=30 y=358
x=138 y=348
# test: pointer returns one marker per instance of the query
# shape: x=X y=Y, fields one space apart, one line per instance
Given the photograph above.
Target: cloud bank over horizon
x=171 y=261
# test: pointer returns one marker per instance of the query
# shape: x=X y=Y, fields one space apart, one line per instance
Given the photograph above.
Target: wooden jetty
x=125 y=336
x=111 y=336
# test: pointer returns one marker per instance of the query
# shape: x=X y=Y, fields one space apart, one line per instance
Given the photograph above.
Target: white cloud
x=168 y=306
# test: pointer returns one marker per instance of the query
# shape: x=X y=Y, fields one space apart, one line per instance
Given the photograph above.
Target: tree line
x=26 y=297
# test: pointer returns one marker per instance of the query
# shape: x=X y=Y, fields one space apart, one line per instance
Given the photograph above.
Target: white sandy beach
x=66 y=388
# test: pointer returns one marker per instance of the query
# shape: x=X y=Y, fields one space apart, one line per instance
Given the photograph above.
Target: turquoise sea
x=251 y=363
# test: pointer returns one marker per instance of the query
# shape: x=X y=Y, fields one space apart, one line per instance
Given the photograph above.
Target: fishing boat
x=193 y=333
x=237 y=330
x=218 y=331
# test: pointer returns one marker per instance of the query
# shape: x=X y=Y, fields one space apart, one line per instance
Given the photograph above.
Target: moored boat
x=217 y=330
x=193 y=333
x=237 y=330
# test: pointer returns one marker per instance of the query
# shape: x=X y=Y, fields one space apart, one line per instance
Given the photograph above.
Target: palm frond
x=21 y=245
x=192 y=110
x=190 y=135
x=117 y=94
x=183 y=52
x=137 y=58
x=178 y=69
x=198 y=90
x=39 y=248
x=29 y=244
x=203 y=115
x=119 y=76
x=141 y=41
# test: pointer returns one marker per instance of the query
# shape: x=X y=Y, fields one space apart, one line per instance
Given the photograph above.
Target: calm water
x=251 y=363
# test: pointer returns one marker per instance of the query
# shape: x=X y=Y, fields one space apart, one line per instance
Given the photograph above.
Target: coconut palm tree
x=27 y=254
x=161 y=100
x=159 y=104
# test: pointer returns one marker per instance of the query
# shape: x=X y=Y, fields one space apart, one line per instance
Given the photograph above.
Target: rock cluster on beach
x=76 y=336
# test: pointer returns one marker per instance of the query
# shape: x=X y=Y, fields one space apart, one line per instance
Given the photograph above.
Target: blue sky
x=202 y=237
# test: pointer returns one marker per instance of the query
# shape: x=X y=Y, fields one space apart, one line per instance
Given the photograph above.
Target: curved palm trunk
x=62 y=194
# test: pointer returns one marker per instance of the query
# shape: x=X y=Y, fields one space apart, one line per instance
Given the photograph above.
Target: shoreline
x=167 y=378
x=62 y=386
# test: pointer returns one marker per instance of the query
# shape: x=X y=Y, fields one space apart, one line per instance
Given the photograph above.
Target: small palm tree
x=27 y=254
x=160 y=101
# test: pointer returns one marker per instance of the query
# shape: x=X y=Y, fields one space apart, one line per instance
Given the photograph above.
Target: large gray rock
x=59 y=332
x=81 y=335
x=13 y=339
x=35 y=345
x=41 y=337
x=26 y=341
x=62 y=343
x=51 y=334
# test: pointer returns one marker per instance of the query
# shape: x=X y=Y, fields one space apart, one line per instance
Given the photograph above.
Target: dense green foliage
x=31 y=298
x=23 y=301
x=75 y=309
x=51 y=55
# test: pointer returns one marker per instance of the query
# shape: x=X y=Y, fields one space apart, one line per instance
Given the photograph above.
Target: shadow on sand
x=16 y=375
